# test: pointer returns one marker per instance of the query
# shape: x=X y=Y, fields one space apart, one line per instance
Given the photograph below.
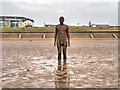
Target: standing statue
x=62 y=36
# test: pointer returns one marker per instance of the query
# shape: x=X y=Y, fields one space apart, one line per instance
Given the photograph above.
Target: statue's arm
x=55 y=35
x=68 y=35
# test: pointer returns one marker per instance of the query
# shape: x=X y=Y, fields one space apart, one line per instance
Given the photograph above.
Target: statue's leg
x=59 y=50
x=64 y=51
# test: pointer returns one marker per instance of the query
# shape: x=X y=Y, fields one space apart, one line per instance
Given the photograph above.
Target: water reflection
x=62 y=80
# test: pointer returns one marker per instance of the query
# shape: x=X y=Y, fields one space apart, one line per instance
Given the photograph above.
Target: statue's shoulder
x=66 y=25
x=57 y=25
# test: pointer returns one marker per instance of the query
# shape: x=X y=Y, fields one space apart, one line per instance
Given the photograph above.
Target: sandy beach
x=34 y=64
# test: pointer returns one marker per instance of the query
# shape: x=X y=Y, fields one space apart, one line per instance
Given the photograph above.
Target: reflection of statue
x=62 y=80
x=62 y=35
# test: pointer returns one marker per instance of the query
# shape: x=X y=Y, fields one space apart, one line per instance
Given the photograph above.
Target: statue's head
x=61 y=19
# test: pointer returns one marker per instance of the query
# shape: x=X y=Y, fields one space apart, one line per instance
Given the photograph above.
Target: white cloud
x=32 y=5
x=61 y=11
x=51 y=1
x=31 y=1
x=33 y=8
x=75 y=11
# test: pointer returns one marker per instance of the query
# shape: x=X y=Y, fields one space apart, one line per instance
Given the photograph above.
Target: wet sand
x=34 y=64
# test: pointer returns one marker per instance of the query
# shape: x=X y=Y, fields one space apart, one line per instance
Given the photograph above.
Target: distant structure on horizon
x=97 y=25
x=102 y=25
x=15 y=22
x=49 y=25
x=90 y=24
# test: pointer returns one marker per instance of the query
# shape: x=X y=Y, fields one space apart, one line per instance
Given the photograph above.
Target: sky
x=74 y=11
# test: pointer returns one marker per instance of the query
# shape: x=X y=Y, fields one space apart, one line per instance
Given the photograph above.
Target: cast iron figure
x=62 y=36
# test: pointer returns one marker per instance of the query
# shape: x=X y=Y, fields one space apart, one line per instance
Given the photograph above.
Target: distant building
x=90 y=24
x=84 y=26
x=97 y=25
x=102 y=25
x=49 y=25
x=15 y=22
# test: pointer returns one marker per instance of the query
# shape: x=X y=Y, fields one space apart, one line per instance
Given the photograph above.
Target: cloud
x=36 y=5
x=61 y=11
x=74 y=12
x=31 y=8
x=32 y=5
x=31 y=1
x=51 y=1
